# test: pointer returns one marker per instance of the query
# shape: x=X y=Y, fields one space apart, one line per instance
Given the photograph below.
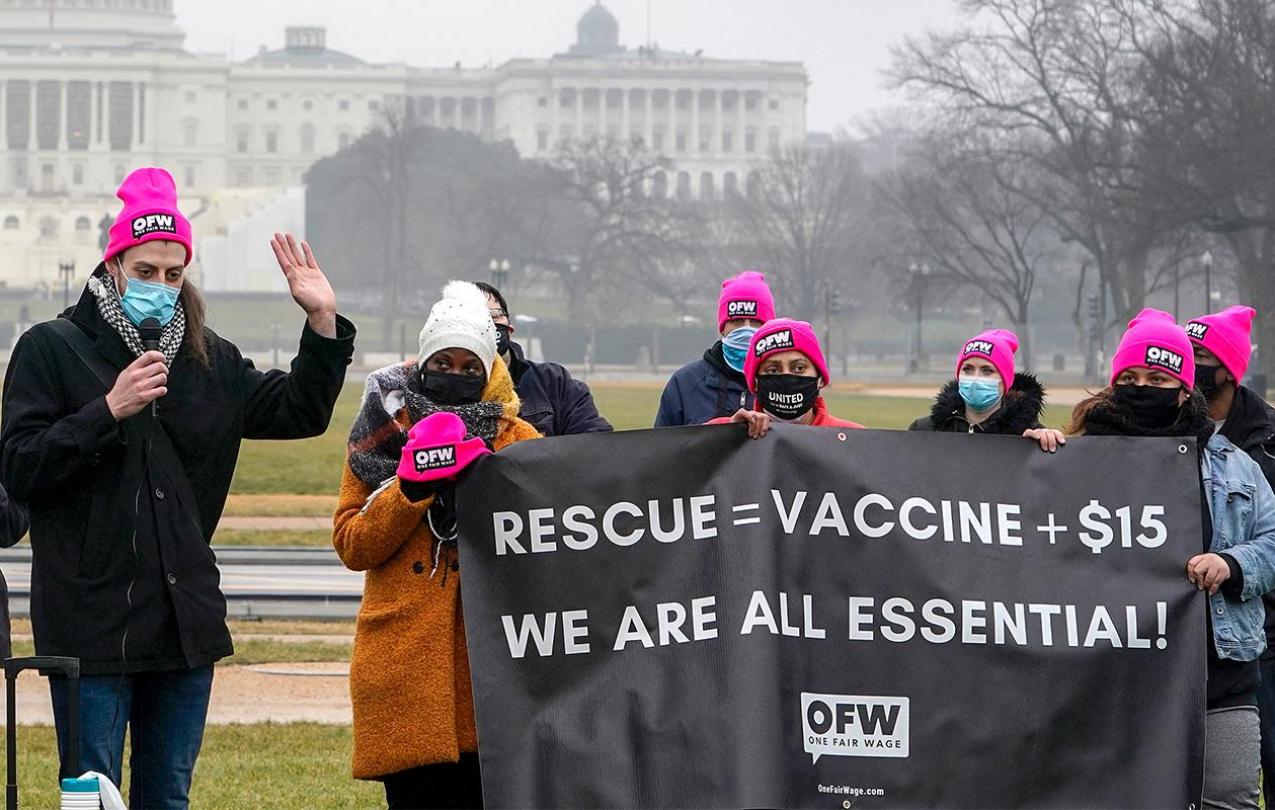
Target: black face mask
x=1148 y=405
x=787 y=396
x=502 y=339
x=452 y=389
x=1206 y=380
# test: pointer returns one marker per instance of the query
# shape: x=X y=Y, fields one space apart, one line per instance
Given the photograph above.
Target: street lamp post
x=1207 y=261
x=66 y=271
x=499 y=273
x=919 y=275
x=1177 y=278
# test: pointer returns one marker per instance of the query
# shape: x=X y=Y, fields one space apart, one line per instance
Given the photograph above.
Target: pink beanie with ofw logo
x=1155 y=341
x=745 y=296
x=1228 y=334
x=437 y=449
x=997 y=346
x=149 y=213
x=783 y=335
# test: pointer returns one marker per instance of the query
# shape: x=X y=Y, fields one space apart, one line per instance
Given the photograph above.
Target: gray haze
x=844 y=43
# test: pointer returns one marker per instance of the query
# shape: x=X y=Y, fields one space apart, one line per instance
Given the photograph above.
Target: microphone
x=151 y=331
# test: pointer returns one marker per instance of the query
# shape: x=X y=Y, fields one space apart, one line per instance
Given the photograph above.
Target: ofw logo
x=1197 y=330
x=774 y=342
x=435 y=458
x=854 y=725
x=979 y=347
x=1163 y=358
x=741 y=309
x=154 y=223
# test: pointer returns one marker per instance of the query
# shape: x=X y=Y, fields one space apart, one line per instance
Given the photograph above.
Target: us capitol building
x=90 y=89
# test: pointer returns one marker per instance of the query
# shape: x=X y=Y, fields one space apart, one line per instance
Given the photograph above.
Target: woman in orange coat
x=409 y=676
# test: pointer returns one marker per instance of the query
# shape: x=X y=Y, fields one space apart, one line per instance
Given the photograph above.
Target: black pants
x=445 y=785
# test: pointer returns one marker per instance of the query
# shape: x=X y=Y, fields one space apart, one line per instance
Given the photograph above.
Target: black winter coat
x=122 y=513
x=14 y=522
x=1020 y=410
x=1250 y=426
x=553 y=402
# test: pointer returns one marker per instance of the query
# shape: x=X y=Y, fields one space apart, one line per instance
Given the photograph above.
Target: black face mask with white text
x=502 y=339
x=787 y=396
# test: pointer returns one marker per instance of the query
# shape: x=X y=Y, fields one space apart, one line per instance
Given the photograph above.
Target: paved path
x=276 y=693
x=276 y=523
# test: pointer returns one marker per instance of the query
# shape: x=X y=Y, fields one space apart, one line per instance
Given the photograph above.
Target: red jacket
x=822 y=418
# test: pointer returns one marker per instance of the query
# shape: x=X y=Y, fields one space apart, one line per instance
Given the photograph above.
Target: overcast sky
x=843 y=43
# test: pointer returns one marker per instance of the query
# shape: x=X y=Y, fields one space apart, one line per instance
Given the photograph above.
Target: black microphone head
x=150 y=331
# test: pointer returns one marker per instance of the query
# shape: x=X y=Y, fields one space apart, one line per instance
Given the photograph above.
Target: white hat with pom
x=460 y=320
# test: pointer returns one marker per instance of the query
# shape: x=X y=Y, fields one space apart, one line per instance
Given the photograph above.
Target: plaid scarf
x=378 y=436
x=112 y=311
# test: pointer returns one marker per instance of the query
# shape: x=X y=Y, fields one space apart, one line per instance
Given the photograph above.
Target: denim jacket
x=1243 y=510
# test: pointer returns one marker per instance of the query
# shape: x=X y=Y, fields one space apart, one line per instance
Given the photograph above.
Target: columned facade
x=90 y=89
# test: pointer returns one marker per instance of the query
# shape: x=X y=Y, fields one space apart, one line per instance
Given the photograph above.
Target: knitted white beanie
x=460 y=320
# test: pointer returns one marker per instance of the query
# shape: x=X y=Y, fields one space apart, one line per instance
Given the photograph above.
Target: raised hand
x=309 y=287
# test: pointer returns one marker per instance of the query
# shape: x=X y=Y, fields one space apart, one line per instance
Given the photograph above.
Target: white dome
x=89 y=23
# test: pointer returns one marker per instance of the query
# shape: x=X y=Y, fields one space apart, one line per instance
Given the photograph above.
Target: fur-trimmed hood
x=1019 y=410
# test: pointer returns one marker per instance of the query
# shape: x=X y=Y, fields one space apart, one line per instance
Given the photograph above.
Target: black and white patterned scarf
x=377 y=437
x=112 y=311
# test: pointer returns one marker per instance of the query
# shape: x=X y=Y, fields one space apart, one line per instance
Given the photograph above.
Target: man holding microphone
x=121 y=426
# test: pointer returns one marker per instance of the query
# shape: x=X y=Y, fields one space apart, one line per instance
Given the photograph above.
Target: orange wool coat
x=409 y=675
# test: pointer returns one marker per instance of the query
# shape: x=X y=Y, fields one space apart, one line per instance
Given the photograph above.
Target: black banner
x=826 y=619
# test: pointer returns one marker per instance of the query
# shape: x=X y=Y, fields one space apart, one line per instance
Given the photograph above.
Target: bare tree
x=802 y=214
x=1208 y=109
x=371 y=190
x=965 y=214
x=1052 y=82
x=612 y=233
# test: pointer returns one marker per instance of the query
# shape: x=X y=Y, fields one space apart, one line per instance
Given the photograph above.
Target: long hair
x=196 y=314
x=1080 y=414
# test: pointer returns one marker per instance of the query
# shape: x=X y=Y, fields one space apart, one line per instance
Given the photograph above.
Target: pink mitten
x=437 y=450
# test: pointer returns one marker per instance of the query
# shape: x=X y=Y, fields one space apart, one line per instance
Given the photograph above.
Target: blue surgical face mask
x=146 y=299
x=735 y=346
x=980 y=393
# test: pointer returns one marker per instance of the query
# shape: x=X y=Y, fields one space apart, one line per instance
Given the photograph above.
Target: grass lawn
x=287 y=627
x=276 y=505
x=313 y=467
x=289 y=767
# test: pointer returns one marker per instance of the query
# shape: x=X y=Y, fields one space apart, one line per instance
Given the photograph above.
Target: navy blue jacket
x=703 y=390
x=553 y=402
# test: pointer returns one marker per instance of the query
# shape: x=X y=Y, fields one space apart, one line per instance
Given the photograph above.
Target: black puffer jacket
x=122 y=576
x=1020 y=410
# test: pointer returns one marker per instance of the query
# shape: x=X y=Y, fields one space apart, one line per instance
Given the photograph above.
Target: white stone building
x=90 y=89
